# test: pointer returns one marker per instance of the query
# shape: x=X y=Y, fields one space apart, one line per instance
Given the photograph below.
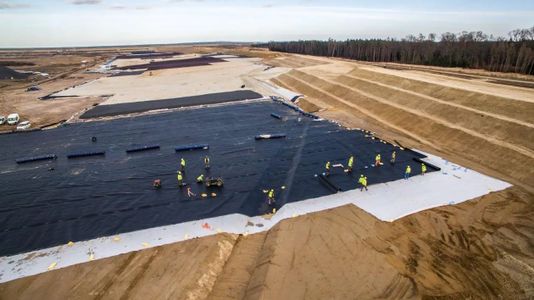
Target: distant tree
x=448 y=37
x=473 y=49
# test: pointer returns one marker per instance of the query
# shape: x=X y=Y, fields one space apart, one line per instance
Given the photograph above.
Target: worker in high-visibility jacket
x=378 y=160
x=393 y=157
x=407 y=172
x=350 y=164
x=423 y=169
x=363 y=182
x=206 y=162
x=327 y=168
x=200 y=178
x=182 y=164
x=180 y=178
x=270 y=197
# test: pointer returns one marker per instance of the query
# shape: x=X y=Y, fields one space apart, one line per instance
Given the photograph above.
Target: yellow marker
x=70 y=243
x=204 y=195
x=145 y=244
x=116 y=238
x=213 y=194
x=274 y=210
x=186 y=236
x=92 y=256
x=293 y=215
x=52 y=266
x=283 y=187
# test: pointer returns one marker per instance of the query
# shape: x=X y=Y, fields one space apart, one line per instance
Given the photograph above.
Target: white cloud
x=85 y=2
x=7 y=5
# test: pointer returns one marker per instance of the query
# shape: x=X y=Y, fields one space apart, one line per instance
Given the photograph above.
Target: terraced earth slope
x=485 y=130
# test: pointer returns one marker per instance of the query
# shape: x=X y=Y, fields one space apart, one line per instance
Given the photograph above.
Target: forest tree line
x=466 y=50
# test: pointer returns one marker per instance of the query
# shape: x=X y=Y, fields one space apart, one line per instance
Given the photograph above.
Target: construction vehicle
x=214 y=181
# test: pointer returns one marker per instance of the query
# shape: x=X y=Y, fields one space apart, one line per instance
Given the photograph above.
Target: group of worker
x=271 y=192
x=378 y=162
x=181 y=172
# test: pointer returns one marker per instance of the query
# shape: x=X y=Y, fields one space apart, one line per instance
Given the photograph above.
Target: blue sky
x=26 y=23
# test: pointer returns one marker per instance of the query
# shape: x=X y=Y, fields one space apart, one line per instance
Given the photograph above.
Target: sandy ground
x=172 y=83
x=517 y=93
x=45 y=112
x=65 y=69
x=480 y=249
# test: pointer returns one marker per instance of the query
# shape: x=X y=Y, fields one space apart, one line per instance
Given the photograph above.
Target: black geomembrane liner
x=142 y=106
x=49 y=203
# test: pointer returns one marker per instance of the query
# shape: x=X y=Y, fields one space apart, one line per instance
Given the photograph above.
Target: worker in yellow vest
x=270 y=197
x=350 y=164
x=200 y=178
x=407 y=172
x=393 y=157
x=327 y=168
x=378 y=160
x=182 y=164
x=423 y=169
x=206 y=162
x=180 y=178
x=363 y=182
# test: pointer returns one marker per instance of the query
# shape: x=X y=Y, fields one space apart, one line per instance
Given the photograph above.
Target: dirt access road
x=480 y=249
x=65 y=69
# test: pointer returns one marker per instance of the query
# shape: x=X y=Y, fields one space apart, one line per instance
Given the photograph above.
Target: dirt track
x=479 y=249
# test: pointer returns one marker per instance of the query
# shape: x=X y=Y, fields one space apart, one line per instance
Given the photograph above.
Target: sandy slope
x=489 y=131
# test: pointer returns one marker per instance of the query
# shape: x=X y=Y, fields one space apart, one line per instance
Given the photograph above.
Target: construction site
x=235 y=172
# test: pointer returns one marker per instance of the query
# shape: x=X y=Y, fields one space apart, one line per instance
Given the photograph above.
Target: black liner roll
x=36 y=158
x=192 y=147
x=296 y=108
x=310 y=115
x=435 y=168
x=329 y=184
x=86 y=154
x=417 y=154
x=277 y=116
x=142 y=148
x=270 y=136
